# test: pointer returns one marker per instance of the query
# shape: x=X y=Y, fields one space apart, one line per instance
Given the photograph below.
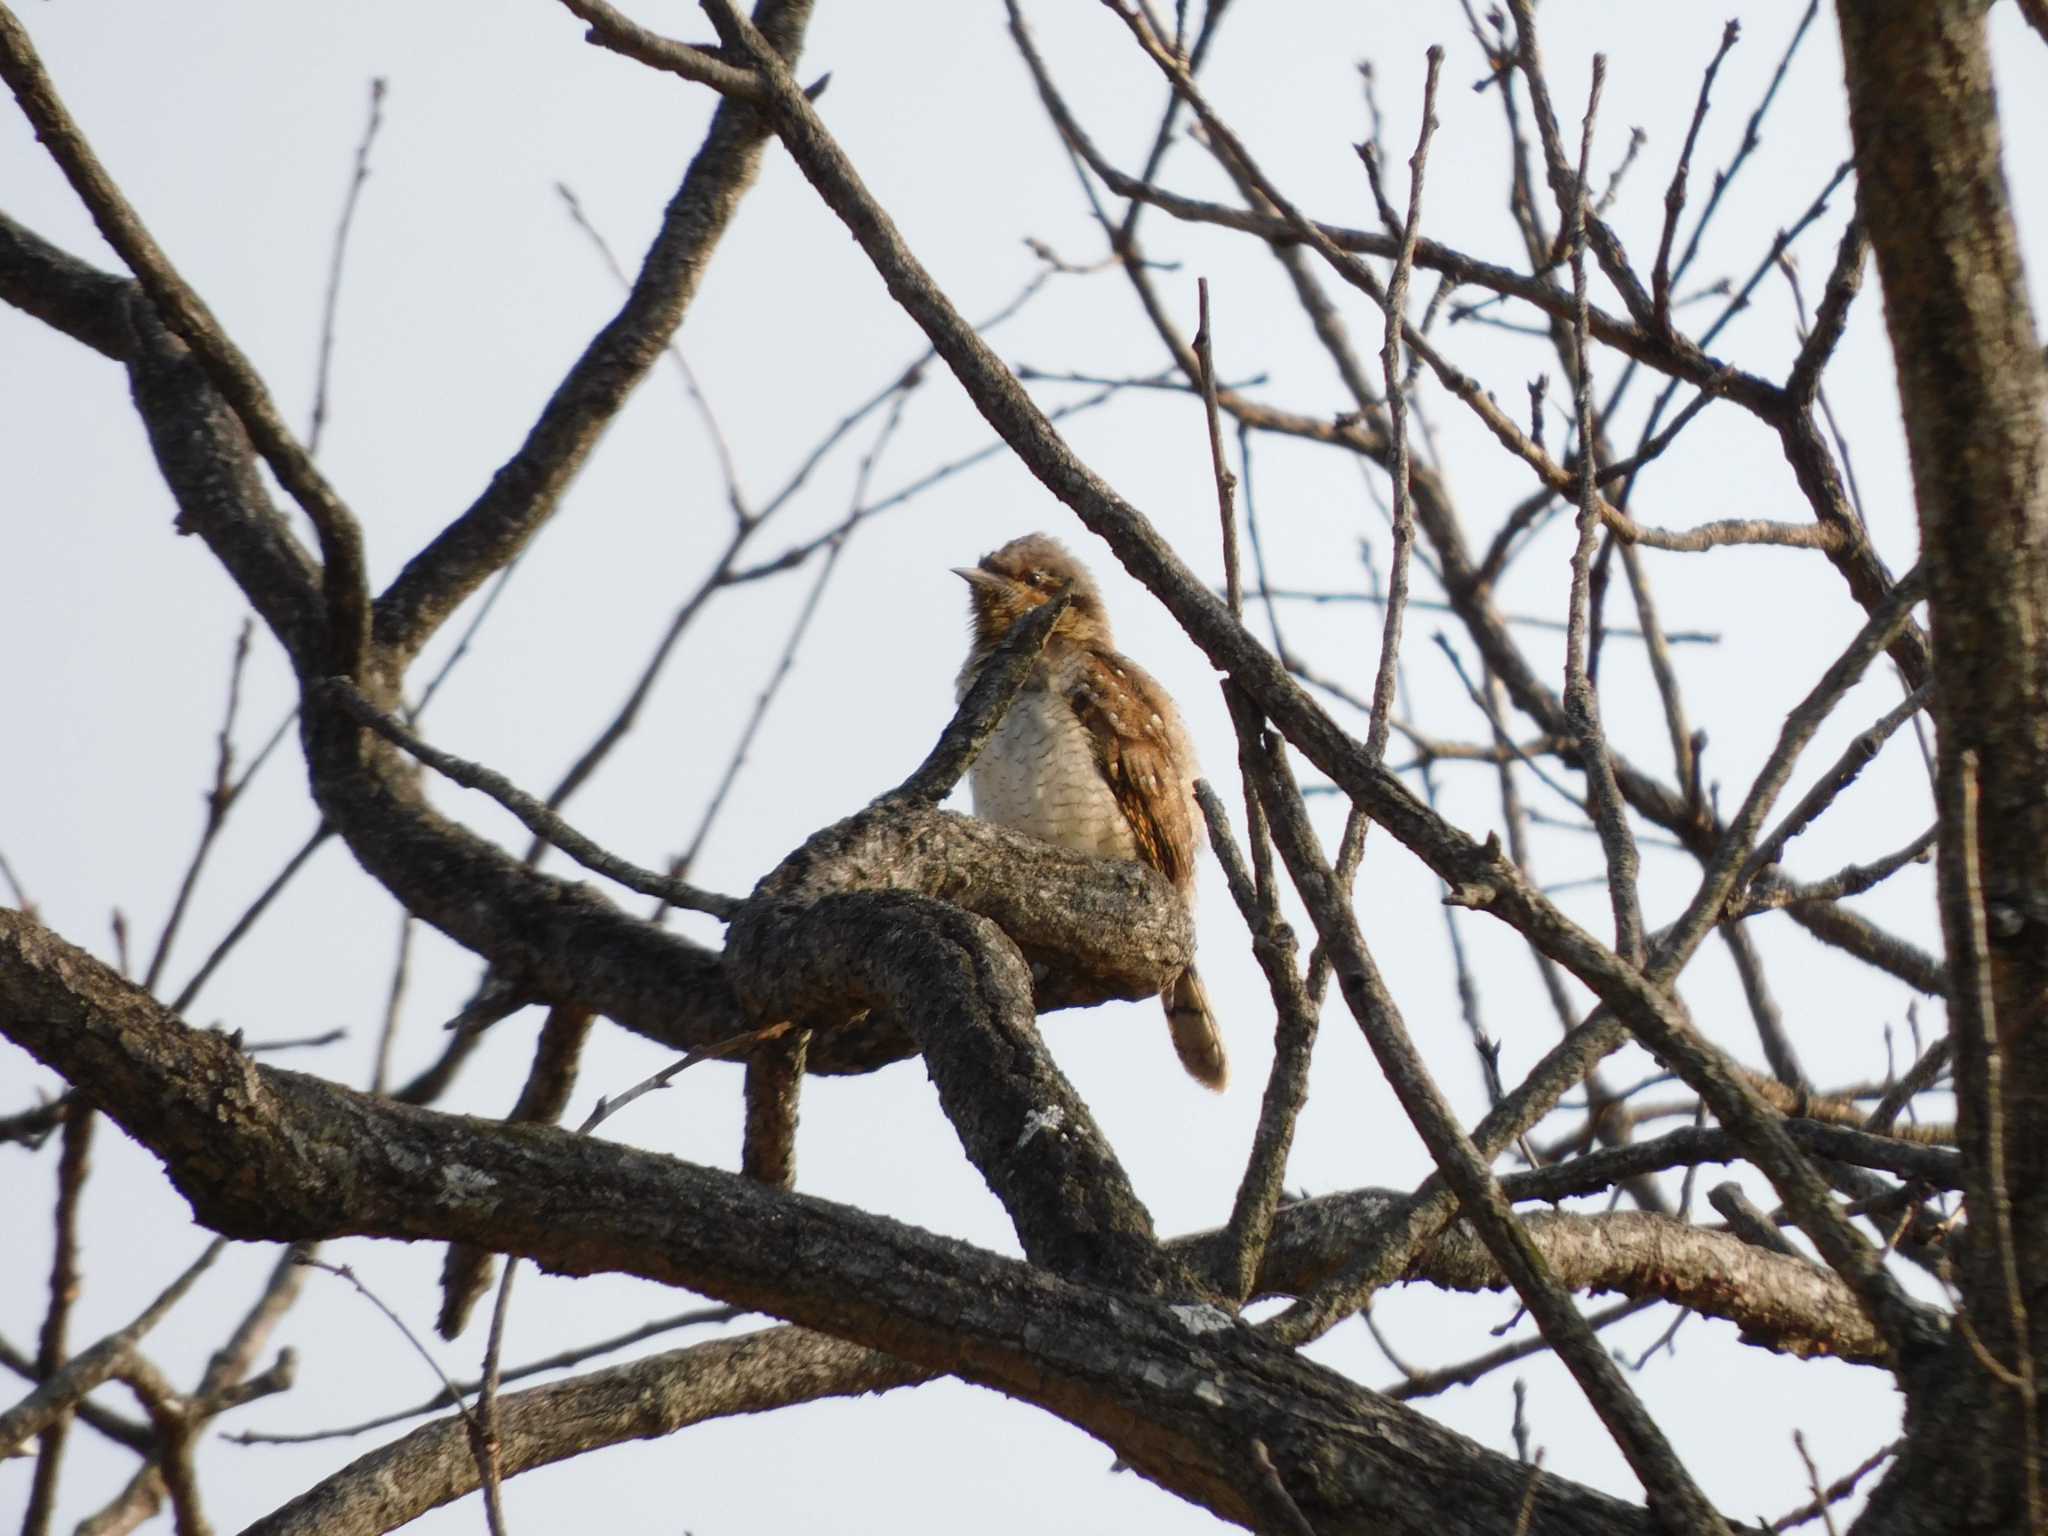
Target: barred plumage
x=1092 y=754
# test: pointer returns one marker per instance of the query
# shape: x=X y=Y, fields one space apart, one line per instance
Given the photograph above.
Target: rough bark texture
x=1181 y=1391
x=435 y=1464
x=1933 y=194
x=1790 y=1305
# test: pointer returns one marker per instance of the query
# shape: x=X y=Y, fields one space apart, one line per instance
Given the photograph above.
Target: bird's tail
x=1195 y=1037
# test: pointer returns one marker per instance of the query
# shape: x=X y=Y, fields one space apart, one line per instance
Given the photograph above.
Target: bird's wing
x=1142 y=752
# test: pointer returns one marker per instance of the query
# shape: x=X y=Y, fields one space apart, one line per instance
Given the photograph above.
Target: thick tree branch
x=964 y=992
x=66 y=294
x=611 y=29
x=201 y=447
x=525 y=491
x=184 y=312
x=212 y=469
x=261 y=1151
x=1481 y=875
x=1092 y=929
x=1786 y=1304
x=1972 y=385
x=1792 y=1306
x=1673 y=1494
x=433 y=1465
x=1180 y=1391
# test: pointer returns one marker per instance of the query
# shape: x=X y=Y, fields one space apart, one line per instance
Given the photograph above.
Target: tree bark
x=1189 y=1396
x=1933 y=194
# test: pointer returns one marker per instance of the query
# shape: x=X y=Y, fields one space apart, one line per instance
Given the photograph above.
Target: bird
x=1091 y=754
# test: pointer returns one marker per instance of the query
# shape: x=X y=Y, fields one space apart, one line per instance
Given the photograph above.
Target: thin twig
x=85 y=1370
x=1291 y=1517
x=1836 y=1491
x=1249 y=1234
x=1752 y=138
x=486 y=1423
x=719 y=446
x=1763 y=1008
x=1397 y=422
x=1852 y=880
x=295 y=1042
x=1295 y=1025
x=1747 y=1222
x=786 y=661
x=74 y=1162
x=1674 y=195
x=1820 y=1500
x=612 y=29
x=220 y=799
x=554 y=1362
x=1918 y=1078
x=530 y=812
x=1465 y=1372
x=1508 y=746
x=250 y=914
x=1531 y=620
x=21 y=897
x=1603 y=794
x=1528 y=1510
x=323 y=371
x=722 y=1050
x=1664 y=672
x=1571 y=190
x=1728 y=865
x=344 y=1272
x=1843 y=772
x=1226 y=482
x=466 y=640
x=394 y=1002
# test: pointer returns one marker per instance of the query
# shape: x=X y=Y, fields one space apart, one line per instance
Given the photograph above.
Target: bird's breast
x=1038 y=774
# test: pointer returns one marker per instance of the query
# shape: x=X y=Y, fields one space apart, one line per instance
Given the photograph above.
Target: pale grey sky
x=231 y=126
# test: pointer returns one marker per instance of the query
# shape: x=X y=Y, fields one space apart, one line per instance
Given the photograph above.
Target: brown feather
x=1196 y=1039
x=1033 y=775
x=1126 y=715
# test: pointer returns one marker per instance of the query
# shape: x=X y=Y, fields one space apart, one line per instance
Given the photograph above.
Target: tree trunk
x=1933 y=194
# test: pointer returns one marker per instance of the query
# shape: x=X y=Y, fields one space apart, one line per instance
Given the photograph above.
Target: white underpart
x=1038 y=775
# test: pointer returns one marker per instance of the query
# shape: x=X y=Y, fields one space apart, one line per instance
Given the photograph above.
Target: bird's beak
x=975 y=576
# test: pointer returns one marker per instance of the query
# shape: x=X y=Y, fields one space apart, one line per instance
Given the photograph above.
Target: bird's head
x=1011 y=581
